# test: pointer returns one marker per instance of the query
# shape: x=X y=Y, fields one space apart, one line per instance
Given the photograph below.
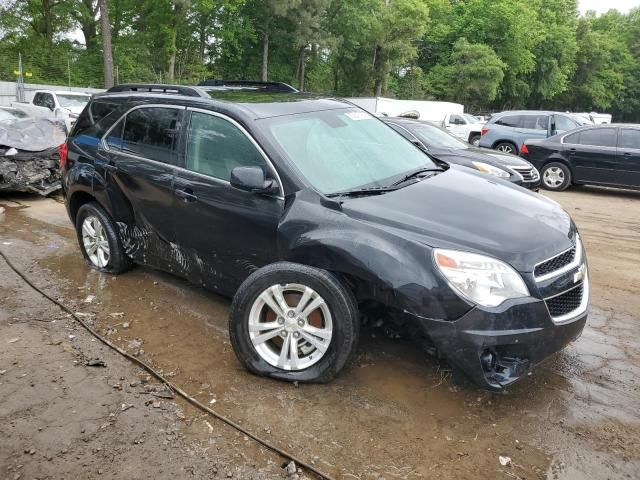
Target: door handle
x=186 y=195
x=627 y=154
x=572 y=151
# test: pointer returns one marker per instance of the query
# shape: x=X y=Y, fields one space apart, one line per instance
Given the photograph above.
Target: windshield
x=10 y=116
x=434 y=137
x=471 y=118
x=345 y=149
x=73 y=100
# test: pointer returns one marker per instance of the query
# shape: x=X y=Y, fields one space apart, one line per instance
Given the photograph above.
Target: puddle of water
x=393 y=414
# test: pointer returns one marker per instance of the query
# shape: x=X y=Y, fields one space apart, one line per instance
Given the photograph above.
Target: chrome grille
x=555 y=263
x=566 y=302
x=561 y=263
x=529 y=174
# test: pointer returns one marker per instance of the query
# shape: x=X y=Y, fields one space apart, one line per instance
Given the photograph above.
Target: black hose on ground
x=167 y=382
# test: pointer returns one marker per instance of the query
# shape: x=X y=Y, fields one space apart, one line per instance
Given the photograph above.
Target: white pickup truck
x=464 y=126
x=60 y=105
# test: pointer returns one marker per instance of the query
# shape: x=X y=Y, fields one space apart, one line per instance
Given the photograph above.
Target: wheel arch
x=76 y=200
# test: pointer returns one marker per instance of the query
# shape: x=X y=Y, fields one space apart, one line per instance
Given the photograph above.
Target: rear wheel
x=99 y=241
x=555 y=176
x=507 y=147
x=474 y=140
x=293 y=322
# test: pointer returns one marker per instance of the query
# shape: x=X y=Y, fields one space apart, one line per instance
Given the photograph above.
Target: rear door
x=628 y=165
x=140 y=155
x=224 y=233
x=593 y=154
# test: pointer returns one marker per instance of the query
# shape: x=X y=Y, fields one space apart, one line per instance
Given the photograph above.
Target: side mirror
x=252 y=179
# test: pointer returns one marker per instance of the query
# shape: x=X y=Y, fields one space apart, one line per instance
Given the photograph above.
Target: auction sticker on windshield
x=358 y=115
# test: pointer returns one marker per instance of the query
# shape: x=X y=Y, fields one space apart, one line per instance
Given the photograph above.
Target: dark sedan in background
x=606 y=155
x=444 y=146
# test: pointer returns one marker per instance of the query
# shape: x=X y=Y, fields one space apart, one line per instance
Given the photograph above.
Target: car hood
x=491 y=157
x=469 y=211
x=32 y=134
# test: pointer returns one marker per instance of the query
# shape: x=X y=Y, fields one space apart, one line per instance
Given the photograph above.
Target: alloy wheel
x=506 y=148
x=95 y=241
x=553 y=177
x=290 y=326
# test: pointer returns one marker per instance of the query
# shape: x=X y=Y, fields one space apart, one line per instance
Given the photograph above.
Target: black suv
x=308 y=211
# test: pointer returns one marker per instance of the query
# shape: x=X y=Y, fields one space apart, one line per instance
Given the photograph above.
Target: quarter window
x=152 y=133
x=114 y=138
x=216 y=146
x=598 y=137
x=630 y=138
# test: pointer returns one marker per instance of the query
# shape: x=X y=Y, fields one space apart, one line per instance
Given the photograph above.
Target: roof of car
x=258 y=104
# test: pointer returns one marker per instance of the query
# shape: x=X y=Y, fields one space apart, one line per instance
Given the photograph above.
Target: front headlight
x=482 y=280
x=491 y=170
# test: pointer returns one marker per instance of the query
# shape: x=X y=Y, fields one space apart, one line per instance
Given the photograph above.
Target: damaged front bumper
x=24 y=171
x=496 y=347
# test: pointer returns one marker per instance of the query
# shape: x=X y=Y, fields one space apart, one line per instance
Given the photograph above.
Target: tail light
x=63 y=150
x=524 y=149
x=484 y=131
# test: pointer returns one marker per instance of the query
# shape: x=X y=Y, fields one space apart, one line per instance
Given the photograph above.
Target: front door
x=140 y=154
x=224 y=233
x=628 y=164
x=593 y=154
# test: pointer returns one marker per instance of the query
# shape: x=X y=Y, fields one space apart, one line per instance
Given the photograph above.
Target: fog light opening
x=489 y=361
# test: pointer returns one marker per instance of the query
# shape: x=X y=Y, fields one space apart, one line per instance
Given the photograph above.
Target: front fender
x=396 y=272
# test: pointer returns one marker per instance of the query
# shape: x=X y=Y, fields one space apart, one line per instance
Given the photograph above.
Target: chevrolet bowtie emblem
x=580 y=274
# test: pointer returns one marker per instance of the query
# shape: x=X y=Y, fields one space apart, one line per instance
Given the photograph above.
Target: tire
x=555 y=176
x=339 y=315
x=474 y=139
x=115 y=260
x=506 y=147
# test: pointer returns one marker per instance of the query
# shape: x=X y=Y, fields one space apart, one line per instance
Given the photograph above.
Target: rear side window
x=152 y=133
x=629 y=138
x=564 y=124
x=534 y=122
x=97 y=117
x=597 y=137
x=509 y=121
x=216 y=146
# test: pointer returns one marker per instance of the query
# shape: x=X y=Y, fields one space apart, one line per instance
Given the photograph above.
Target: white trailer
x=447 y=115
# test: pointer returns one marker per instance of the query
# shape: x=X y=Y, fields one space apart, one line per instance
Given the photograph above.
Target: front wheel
x=555 y=176
x=474 y=140
x=294 y=322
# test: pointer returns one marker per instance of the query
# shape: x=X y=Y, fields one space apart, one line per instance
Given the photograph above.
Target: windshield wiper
x=361 y=191
x=415 y=174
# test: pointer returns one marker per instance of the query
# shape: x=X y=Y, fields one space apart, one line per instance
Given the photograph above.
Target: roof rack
x=158 y=88
x=247 y=84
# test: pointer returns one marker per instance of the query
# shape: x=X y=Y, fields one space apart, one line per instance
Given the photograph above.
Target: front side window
x=215 y=147
x=47 y=101
x=629 y=138
x=38 y=100
x=152 y=133
x=343 y=149
x=596 y=137
x=457 y=120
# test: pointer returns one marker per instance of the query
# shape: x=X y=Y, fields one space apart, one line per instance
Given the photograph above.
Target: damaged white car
x=29 y=152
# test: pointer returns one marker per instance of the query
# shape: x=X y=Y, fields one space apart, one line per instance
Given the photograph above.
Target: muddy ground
x=394 y=414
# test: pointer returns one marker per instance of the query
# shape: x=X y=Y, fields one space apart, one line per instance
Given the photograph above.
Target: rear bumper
x=495 y=348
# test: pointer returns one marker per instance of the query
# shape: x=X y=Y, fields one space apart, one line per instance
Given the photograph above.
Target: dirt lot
x=393 y=415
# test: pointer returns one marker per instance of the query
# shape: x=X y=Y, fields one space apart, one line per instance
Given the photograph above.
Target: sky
x=602 y=6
